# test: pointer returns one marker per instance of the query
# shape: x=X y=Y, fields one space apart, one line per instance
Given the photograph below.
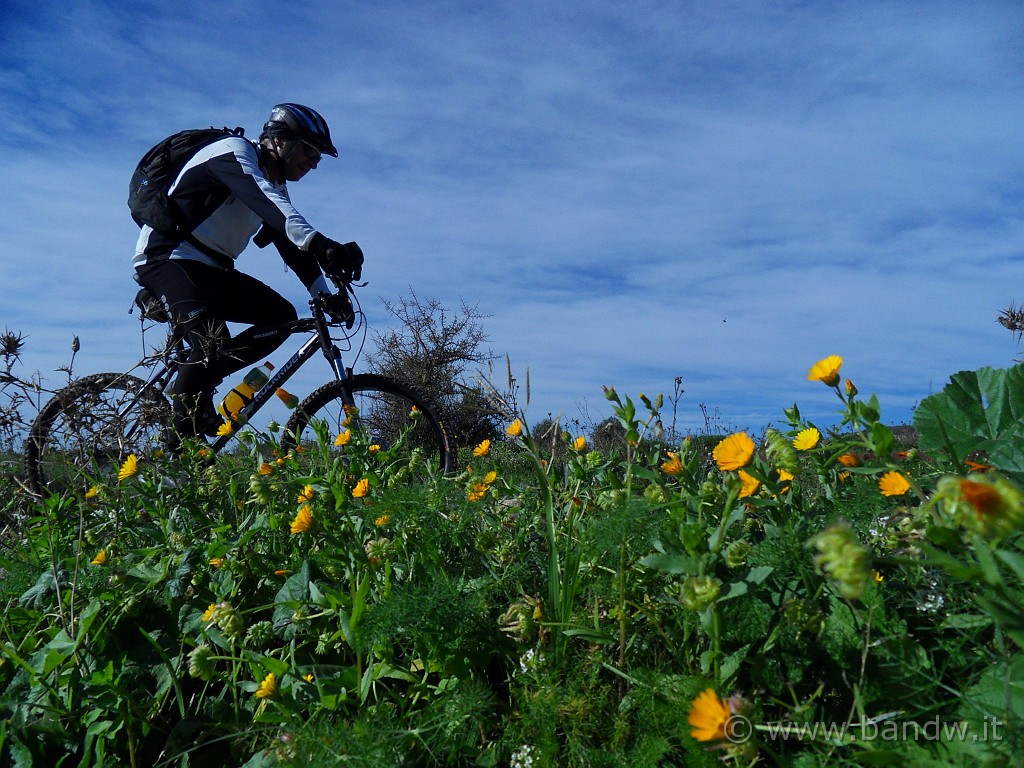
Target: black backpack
x=157 y=170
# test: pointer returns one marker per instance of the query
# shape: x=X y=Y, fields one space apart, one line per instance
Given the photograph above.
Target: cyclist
x=230 y=192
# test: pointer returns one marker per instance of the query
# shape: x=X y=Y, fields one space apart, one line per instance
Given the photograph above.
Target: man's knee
x=284 y=312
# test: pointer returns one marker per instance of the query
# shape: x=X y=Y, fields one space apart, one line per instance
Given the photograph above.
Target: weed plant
x=818 y=597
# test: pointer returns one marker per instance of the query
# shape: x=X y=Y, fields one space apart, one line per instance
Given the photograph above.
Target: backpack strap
x=223 y=260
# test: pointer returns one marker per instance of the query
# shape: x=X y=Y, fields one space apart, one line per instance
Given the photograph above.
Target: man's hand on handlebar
x=340 y=261
x=339 y=308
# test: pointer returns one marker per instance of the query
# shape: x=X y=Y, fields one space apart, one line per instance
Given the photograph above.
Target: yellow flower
x=208 y=614
x=217 y=562
x=373 y=448
x=826 y=371
x=807 y=439
x=362 y=488
x=749 y=485
x=849 y=460
x=225 y=429
x=878 y=577
x=477 y=492
x=893 y=484
x=268 y=687
x=579 y=443
x=674 y=466
x=382 y=520
x=483 y=449
x=282 y=572
x=303 y=520
x=515 y=429
x=784 y=476
x=343 y=438
x=92 y=493
x=851 y=389
x=490 y=477
x=306 y=494
x=265 y=469
x=129 y=468
x=734 y=452
x=708 y=716
x=100 y=559
x=308 y=678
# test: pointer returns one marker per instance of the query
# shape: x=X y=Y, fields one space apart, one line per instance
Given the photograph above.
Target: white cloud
x=723 y=192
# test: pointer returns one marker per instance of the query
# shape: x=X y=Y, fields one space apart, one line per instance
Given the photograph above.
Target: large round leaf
x=979 y=410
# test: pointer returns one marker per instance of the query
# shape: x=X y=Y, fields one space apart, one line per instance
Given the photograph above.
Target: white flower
x=522 y=757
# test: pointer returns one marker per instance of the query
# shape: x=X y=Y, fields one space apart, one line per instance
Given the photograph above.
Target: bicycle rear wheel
x=389 y=414
x=90 y=427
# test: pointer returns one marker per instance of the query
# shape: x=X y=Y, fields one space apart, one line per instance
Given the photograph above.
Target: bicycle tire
x=384 y=413
x=88 y=428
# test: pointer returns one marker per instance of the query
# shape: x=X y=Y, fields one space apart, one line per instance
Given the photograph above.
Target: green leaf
x=150 y=573
x=1013 y=559
x=85 y=621
x=316 y=596
x=671 y=563
x=731 y=664
x=759 y=574
x=987 y=564
x=293 y=594
x=590 y=635
x=966 y=621
x=882 y=440
x=979 y=410
x=264 y=759
x=20 y=755
x=45 y=585
x=736 y=589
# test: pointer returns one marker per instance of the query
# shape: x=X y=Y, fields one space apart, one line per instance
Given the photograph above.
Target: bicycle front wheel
x=389 y=414
x=90 y=427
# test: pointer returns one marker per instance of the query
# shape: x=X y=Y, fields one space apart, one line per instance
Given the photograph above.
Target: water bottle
x=290 y=400
x=241 y=394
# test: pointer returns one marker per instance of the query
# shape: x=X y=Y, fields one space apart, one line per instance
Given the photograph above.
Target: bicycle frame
x=320 y=339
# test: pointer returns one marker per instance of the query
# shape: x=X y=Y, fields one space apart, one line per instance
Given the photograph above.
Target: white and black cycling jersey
x=225 y=198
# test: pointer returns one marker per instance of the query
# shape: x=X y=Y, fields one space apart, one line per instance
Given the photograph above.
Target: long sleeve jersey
x=225 y=198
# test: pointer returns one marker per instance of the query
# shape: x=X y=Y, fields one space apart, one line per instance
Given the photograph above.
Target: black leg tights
x=202 y=299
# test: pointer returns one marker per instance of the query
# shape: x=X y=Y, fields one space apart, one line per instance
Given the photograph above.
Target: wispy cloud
x=722 y=192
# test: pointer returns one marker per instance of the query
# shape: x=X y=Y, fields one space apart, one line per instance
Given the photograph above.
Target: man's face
x=298 y=158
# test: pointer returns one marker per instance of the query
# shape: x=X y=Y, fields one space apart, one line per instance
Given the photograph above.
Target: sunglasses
x=312 y=152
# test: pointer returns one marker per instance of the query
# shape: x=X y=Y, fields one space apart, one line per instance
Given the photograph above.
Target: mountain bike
x=90 y=427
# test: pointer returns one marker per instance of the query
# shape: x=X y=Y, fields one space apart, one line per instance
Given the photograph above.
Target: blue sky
x=725 y=192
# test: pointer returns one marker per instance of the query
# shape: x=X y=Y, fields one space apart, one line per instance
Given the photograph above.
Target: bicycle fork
x=333 y=356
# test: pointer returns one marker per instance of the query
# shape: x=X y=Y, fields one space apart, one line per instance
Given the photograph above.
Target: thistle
x=699 y=592
x=843 y=559
x=520 y=620
x=200 y=662
x=987 y=504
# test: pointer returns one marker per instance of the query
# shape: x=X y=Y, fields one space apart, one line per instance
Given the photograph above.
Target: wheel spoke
x=90 y=427
x=388 y=414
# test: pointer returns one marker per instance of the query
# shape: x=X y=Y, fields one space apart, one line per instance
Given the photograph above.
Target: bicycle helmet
x=294 y=121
